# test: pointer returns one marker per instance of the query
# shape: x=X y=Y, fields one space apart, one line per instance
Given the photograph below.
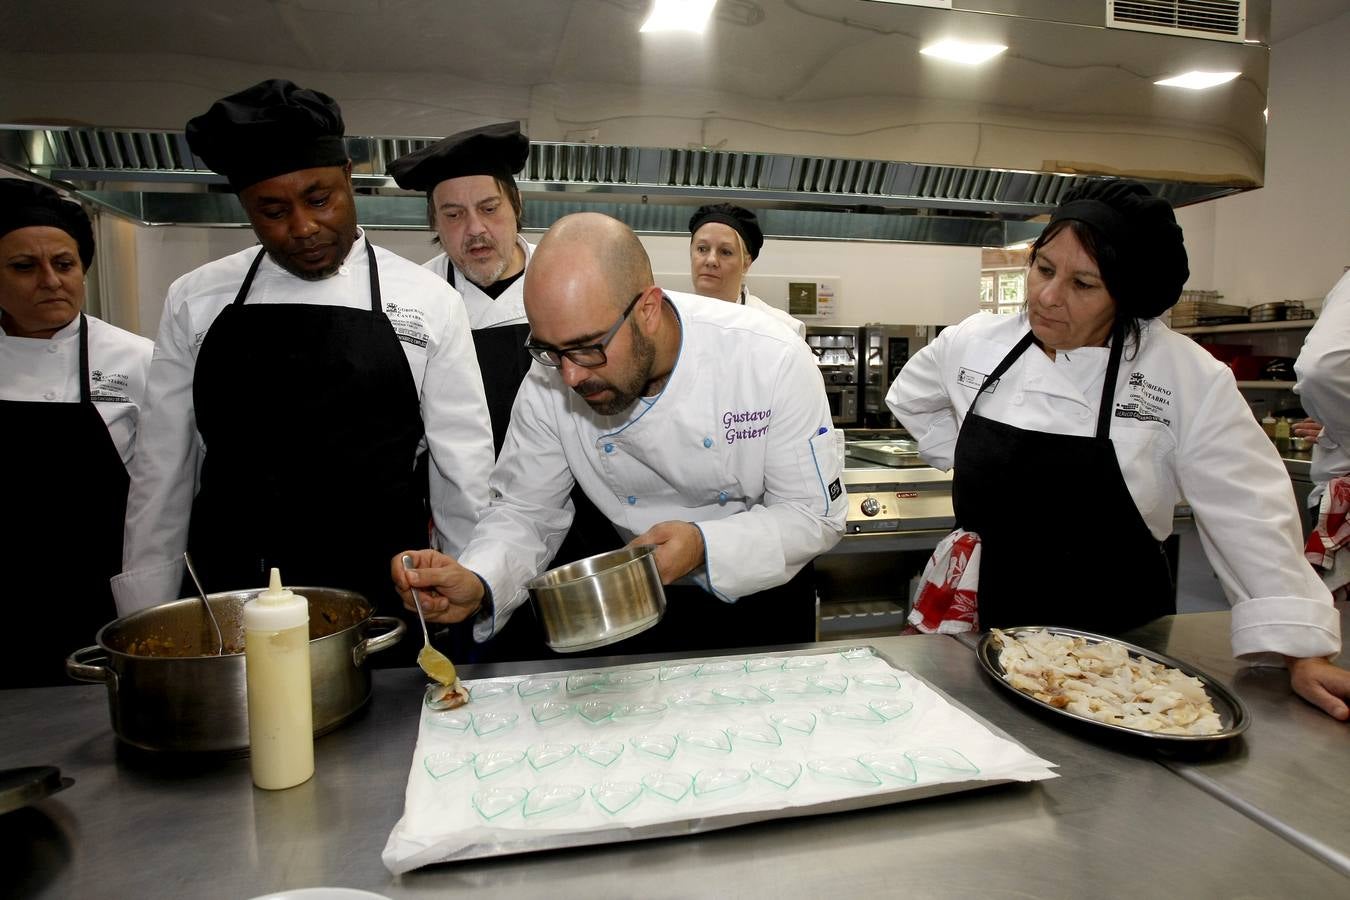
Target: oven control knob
x=870 y=506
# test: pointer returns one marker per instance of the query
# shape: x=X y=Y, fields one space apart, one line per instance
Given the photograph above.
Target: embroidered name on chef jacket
x=1146 y=402
x=108 y=387
x=745 y=424
x=972 y=379
x=409 y=323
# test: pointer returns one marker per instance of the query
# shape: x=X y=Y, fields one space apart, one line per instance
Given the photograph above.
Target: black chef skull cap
x=27 y=203
x=269 y=129
x=1148 y=267
x=498 y=150
x=742 y=220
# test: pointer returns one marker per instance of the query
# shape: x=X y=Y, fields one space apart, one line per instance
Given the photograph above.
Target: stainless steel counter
x=1115 y=824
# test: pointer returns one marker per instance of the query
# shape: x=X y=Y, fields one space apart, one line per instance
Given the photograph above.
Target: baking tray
x=1233 y=714
x=897 y=454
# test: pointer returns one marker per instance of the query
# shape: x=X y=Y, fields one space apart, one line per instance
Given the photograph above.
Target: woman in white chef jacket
x=1074 y=428
x=724 y=240
x=71 y=389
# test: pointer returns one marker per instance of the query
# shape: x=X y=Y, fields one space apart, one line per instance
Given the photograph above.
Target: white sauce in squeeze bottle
x=276 y=659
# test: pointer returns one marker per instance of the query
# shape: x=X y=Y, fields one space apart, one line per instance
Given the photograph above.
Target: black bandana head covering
x=742 y=220
x=27 y=203
x=268 y=130
x=1142 y=233
x=499 y=150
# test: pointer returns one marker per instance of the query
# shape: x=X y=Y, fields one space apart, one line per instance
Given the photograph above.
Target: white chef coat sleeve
x=163 y=471
x=920 y=400
x=529 y=511
x=1231 y=476
x=458 y=432
x=1323 y=368
x=802 y=510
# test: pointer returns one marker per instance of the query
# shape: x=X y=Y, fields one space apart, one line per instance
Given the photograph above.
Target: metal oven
x=838 y=353
x=886 y=349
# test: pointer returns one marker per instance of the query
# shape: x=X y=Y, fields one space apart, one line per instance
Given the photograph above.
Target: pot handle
x=78 y=665
x=380 y=641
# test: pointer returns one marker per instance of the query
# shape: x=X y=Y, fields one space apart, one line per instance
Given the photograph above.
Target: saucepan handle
x=78 y=665
x=380 y=641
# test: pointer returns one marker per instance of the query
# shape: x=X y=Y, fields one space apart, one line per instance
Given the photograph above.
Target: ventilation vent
x=1217 y=20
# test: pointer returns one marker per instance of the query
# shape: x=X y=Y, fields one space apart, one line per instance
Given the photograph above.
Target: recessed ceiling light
x=963 y=51
x=1198 y=81
x=679 y=15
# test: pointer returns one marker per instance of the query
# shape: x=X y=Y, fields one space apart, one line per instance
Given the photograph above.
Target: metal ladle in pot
x=201 y=592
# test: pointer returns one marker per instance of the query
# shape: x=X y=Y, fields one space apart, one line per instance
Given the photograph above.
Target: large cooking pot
x=165 y=693
x=599 y=600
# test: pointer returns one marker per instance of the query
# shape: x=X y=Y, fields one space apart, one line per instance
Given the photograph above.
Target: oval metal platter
x=1233 y=714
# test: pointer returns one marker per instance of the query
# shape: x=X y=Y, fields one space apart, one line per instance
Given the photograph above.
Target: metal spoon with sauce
x=201 y=592
x=435 y=663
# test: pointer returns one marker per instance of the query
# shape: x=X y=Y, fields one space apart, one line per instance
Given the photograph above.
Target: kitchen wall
x=1290 y=240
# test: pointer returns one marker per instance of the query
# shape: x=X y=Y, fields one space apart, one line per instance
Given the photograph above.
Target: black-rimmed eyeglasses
x=589 y=356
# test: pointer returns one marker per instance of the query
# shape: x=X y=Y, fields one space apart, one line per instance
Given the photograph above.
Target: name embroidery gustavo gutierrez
x=740 y=424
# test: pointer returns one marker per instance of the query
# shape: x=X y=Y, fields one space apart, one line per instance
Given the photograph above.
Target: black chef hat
x=739 y=218
x=27 y=203
x=498 y=150
x=1141 y=232
x=267 y=130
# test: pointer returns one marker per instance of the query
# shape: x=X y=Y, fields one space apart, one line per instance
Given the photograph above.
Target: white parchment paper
x=855 y=730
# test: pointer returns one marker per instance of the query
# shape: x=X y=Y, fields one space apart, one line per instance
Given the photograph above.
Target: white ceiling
x=1289 y=17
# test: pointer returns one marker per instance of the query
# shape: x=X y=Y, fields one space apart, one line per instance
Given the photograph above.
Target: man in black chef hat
x=314 y=376
x=475 y=208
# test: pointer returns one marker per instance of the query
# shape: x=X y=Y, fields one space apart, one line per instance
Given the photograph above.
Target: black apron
x=311 y=422
x=1061 y=540
x=65 y=504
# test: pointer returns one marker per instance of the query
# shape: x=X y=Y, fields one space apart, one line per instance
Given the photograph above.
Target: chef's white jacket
x=1181 y=431
x=485 y=312
x=1323 y=372
x=34 y=369
x=797 y=325
x=739 y=443
x=428 y=317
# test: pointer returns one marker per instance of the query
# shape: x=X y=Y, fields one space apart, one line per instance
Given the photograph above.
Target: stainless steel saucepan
x=599 y=600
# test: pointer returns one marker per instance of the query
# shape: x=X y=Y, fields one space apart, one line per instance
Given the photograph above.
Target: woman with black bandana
x=1074 y=428
x=724 y=240
x=71 y=392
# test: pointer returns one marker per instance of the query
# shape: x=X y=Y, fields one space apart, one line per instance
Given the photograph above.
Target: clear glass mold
x=495 y=762
x=447 y=762
x=541 y=756
x=852 y=714
x=781 y=772
x=456 y=720
x=550 y=712
x=595 y=711
x=497 y=801
x=830 y=684
x=672 y=786
x=798 y=663
x=485 y=723
x=487 y=690
x=676 y=672
x=537 y=687
x=722 y=668
x=858 y=655
x=659 y=745
x=714 y=739
x=757 y=736
x=584 y=682
x=602 y=753
x=552 y=798
x=942 y=758
x=650 y=709
x=799 y=722
x=876 y=682
x=719 y=782
x=890 y=764
x=890 y=709
x=616 y=796
x=742 y=693
x=843 y=768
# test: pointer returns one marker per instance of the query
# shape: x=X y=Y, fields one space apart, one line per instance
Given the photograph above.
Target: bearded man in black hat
x=326 y=387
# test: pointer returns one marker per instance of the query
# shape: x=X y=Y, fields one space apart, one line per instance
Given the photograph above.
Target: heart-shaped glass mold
x=706 y=739
x=672 y=786
x=760 y=736
x=742 y=693
x=942 y=758
x=710 y=782
x=852 y=714
x=495 y=762
x=488 y=690
x=795 y=663
x=584 y=682
x=781 y=772
x=858 y=655
x=799 y=722
x=659 y=745
x=830 y=684
x=487 y=723
x=695 y=697
x=843 y=768
x=552 y=798
x=890 y=709
x=495 y=801
x=630 y=678
x=447 y=762
x=602 y=753
x=595 y=711
x=541 y=756
x=789 y=687
x=722 y=668
x=537 y=687
x=616 y=796
x=649 y=710
x=550 y=712
x=681 y=670
x=457 y=720
x=876 y=682
x=890 y=764
x=763 y=664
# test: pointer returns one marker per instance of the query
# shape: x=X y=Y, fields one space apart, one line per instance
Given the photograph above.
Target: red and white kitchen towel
x=1329 y=544
x=947 y=599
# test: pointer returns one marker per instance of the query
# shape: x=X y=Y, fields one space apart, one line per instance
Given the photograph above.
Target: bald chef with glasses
x=701 y=428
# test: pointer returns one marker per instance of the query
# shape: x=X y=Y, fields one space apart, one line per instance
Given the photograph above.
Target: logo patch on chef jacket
x=409 y=323
x=108 y=387
x=745 y=424
x=1145 y=401
x=972 y=379
x=835 y=489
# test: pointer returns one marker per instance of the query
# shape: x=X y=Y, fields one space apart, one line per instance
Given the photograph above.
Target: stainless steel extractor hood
x=821 y=114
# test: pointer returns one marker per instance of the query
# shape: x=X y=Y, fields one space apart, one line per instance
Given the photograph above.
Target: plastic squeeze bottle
x=276 y=660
